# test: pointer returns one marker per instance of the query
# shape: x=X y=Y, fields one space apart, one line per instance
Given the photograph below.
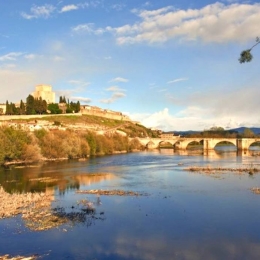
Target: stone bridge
x=182 y=143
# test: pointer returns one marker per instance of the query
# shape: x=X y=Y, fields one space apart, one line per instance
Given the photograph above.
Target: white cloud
x=117 y=93
x=87 y=28
x=10 y=79
x=237 y=107
x=68 y=8
x=79 y=83
x=12 y=56
x=119 y=79
x=118 y=7
x=213 y=23
x=162 y=90
x=177 y=80
x=147 y=3
x=30 y=56
x=81 y=99
x=160 y=120
x=58 y=58
x=115 y=89
x=46 y=10
x=43 y=11
x=114 y=97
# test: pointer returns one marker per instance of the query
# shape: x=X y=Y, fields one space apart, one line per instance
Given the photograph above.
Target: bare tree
x=246 y=56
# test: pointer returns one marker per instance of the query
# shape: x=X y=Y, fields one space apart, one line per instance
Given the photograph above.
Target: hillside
x=88 y=122
x=240 y=130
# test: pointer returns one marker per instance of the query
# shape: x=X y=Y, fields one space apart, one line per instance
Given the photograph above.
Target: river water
x=178 y=214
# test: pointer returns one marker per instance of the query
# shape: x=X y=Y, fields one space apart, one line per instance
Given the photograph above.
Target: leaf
x=245 y=56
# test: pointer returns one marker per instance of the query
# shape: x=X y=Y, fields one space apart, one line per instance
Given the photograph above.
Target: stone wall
x=7 y=118
x=96 y=111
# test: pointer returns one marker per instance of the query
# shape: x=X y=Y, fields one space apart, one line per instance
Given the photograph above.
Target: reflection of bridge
x=182 y=143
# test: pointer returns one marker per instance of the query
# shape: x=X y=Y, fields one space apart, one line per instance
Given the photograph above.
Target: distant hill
x=239 y=130
x=183 y=132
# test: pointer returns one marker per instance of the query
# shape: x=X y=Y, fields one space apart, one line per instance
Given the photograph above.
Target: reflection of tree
x=33 y=179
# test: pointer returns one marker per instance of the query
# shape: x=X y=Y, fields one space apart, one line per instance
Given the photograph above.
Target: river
x=177 y=214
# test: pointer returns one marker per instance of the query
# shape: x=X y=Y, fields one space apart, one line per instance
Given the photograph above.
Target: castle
x=45 y=92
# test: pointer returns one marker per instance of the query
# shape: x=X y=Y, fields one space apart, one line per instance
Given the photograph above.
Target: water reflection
x=38 y=179
x=157 y=248
x=185 y=216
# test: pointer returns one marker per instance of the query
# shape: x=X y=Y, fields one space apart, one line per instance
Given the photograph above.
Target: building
x=2 y=109
x=96 y=111
x=45 y=92
x=167 y=135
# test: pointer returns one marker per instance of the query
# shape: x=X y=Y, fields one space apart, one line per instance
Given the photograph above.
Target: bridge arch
x=150 y=145
x=229 y=146
x=171 y=142
x=253 y=142
x=194 y=144
x=183 y=144
x=210 y=144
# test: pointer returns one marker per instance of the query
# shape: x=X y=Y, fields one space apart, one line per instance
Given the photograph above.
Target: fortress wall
x=7 y=117
x=105 y=113
x=92 y=113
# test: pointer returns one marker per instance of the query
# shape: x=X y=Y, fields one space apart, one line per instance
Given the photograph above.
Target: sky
x=170 y=64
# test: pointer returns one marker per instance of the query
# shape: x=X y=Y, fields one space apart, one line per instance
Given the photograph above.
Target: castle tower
x=45 y=92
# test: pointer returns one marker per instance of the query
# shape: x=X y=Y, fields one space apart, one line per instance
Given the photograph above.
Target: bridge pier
x=207 y=145
x=243 y=144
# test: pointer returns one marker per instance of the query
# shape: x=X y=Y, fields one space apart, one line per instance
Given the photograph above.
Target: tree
x=30 y=105
x=7 y=110
x=216 y=128
x=40 y=106
x=54 y=108
x=246 y=56
x=77 y=107
x=73 y=107
x=22 y=108
x=62 y=99
x=248 y=133
x=14 y=110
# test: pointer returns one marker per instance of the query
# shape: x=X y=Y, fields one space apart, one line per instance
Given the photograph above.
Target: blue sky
x=171 y=65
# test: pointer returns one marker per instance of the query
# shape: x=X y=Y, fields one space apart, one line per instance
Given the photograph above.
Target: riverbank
x=43 y=160
x=18 y=146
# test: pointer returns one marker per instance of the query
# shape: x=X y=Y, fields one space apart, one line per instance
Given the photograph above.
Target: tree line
x=34 y=106
x=24 y=146
x=219 y=132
